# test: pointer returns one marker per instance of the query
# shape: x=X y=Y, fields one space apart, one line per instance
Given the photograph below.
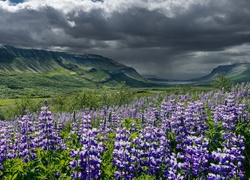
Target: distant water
x=174 y=82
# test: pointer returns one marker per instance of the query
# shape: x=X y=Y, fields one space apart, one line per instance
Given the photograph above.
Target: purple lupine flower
x=123 y=158
x=228 y=161
x=195 y=119
x=3 y=146
x=195 y=156
x=151 y=149
x=177 y=122
x=87 y=160
x=173 y=168
x=26 y=147
x=230 y=114
x=167 y=108
x=48 y=137
x=9 y=136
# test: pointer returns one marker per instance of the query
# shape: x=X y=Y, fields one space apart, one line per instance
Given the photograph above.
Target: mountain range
x=50 y=72
x=46 y=73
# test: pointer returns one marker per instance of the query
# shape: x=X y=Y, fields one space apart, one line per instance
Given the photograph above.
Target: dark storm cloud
x=92 y=25
x=154 y=40
x=201 y=28
x=27 y=26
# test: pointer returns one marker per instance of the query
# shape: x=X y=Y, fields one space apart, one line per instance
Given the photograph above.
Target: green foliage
x=92 y=99
x=88 y=98
x=16 y=169
x=214 y=134
x=127 y=123
x=20 y=105
x=49 y=163
x=107 y=168
x=47 y=166
x=145 y=177
x=2 y=114
x=124 y=94
x=221 y=81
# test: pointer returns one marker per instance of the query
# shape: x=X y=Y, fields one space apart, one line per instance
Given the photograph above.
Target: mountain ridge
x=22 y=68
x=237 y=72
x=37 y=61
x=9 y=53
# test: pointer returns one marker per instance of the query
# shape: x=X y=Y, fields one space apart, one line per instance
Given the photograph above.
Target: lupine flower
x=195 y=155
x=26 y=147
x=124 y=160
x=173 y=168
x=87 y=161
x=47 y=137
x=227 y=162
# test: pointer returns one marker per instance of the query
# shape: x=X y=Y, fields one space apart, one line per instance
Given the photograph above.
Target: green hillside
x=238 y=72
x=46 y=73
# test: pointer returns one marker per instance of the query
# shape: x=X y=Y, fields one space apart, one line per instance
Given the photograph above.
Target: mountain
x=238 y=72
x=51 y=72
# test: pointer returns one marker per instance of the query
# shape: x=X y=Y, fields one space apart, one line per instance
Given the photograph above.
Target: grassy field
x=180 y=89
x=6 y=102
x=89 y=98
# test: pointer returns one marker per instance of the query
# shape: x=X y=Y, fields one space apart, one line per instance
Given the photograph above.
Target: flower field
x=190 y=136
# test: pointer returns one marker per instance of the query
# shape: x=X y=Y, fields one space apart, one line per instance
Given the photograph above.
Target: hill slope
x=238 y=72
x=51 y=71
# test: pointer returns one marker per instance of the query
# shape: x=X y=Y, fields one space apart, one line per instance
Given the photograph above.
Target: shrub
x=221 y=81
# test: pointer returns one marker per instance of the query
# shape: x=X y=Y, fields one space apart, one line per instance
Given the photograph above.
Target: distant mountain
x=29 y=68
x=238 y=72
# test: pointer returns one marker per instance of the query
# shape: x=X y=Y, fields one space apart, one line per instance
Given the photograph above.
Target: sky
x=170 y=39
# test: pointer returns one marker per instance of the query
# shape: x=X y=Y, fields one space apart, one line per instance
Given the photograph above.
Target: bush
x=221 y=81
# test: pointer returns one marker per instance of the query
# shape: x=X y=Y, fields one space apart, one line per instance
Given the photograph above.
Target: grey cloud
x=92 y=25
x=200 y=28
x=23 y=25
x=146 y=39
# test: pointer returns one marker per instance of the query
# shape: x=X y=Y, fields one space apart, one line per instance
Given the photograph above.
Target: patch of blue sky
x=16 y=1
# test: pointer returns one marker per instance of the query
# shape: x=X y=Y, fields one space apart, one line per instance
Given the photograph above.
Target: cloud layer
x=169 y=38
